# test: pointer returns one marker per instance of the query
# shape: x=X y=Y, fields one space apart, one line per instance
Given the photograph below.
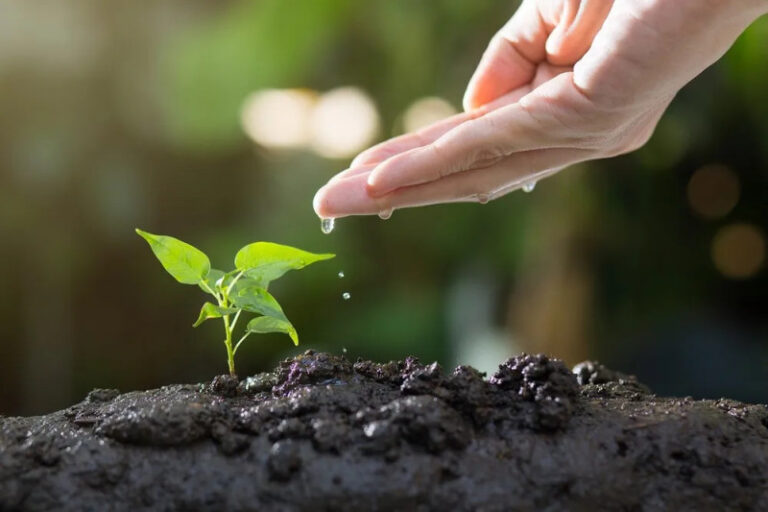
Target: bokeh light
x=713 y=191
x=344 y=122
x=279 y=118
x=426 y=111
x=738 y=250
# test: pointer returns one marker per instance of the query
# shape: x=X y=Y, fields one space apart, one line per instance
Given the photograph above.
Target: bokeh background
x=216 y=122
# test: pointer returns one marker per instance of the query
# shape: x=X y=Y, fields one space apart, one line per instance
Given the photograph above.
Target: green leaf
x=257 y=300
x=209 y=311
x=264 y=324
x=244 y=282
x=211 y=279
x=266 y=261
x=185 y=263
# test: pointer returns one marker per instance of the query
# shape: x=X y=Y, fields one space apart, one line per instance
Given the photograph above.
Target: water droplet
x=345 y=296
x=344 y=350
x=482 y=198
x=326 y=225
x=385 y=214
x=528 y=187
x=341 y=274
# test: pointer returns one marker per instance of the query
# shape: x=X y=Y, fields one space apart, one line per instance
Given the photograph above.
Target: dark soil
x=323 y=433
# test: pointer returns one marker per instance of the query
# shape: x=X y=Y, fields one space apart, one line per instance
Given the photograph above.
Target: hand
x=562 y=82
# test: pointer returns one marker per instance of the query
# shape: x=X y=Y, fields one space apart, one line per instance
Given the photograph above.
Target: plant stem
x=234 y=320
x=228 y=344
x=237 y=345
x=223 y=300
x=232 y=284
x=212 y=292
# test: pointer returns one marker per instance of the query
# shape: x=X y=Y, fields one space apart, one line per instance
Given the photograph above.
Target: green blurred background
x=216 y=122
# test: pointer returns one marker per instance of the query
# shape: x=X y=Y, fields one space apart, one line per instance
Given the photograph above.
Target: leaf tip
x=143 y=234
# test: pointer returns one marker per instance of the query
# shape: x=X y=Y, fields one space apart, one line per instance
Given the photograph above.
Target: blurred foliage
x=125 y=114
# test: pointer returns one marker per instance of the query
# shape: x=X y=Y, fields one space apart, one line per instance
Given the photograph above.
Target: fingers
x=431 y=133
x=510 y=59
x=475 y=144
x=575 y=29
x=391 y=147
x=350 y=196
x=556 y=32
x=353 y=171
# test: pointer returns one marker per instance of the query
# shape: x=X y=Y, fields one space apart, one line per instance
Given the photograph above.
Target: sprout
x=242 y=289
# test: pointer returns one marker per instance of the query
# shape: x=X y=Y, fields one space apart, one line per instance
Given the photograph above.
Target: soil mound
x=323 y=433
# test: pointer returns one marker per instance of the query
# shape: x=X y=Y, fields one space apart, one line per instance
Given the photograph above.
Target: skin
x=564 y=81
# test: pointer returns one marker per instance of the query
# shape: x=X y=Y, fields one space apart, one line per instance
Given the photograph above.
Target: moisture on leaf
x=266 y=261
x=265 y=324
x=187 y=264
x=209 y=311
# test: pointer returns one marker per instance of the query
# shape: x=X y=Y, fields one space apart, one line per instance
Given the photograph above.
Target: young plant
x=241 y=290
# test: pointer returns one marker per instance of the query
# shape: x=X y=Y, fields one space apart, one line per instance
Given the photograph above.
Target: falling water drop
x=528 y=187
x=341 y=274
x=385 y=214
x=326 y=225
x=345 y=296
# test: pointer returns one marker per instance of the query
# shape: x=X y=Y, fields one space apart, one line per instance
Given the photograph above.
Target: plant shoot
x=243 y=289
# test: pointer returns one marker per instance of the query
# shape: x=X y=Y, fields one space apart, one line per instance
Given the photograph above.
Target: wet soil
x=323 y=433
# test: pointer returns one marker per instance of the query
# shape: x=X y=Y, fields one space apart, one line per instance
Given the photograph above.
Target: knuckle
x=443 y=163
x=472 y=146
x=485 y=157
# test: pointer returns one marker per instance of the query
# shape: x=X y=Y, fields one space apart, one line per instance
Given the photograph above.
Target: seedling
x=241 y=290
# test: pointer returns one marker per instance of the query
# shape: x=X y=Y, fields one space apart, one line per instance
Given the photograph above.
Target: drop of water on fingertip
x=326 y=225
x=385 y=214
x=341 y=274
x=528 y=187
x=346 y=296
x=482 y=198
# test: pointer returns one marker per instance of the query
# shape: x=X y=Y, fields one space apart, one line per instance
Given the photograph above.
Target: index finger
x=431 y=133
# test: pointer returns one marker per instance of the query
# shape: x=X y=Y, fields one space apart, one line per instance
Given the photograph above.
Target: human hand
x=562 y=82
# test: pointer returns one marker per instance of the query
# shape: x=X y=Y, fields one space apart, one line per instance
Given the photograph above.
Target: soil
x=323 y=433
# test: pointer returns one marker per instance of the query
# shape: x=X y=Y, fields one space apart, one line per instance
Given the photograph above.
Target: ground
x=324 y=433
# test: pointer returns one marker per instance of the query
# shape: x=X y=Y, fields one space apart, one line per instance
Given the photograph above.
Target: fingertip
x=320 y=203
x=466 y=101
x=359 y=160
x=374 y=185
x=343 y=198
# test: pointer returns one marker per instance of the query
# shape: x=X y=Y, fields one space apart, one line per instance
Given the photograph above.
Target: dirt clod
x=225 y=385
